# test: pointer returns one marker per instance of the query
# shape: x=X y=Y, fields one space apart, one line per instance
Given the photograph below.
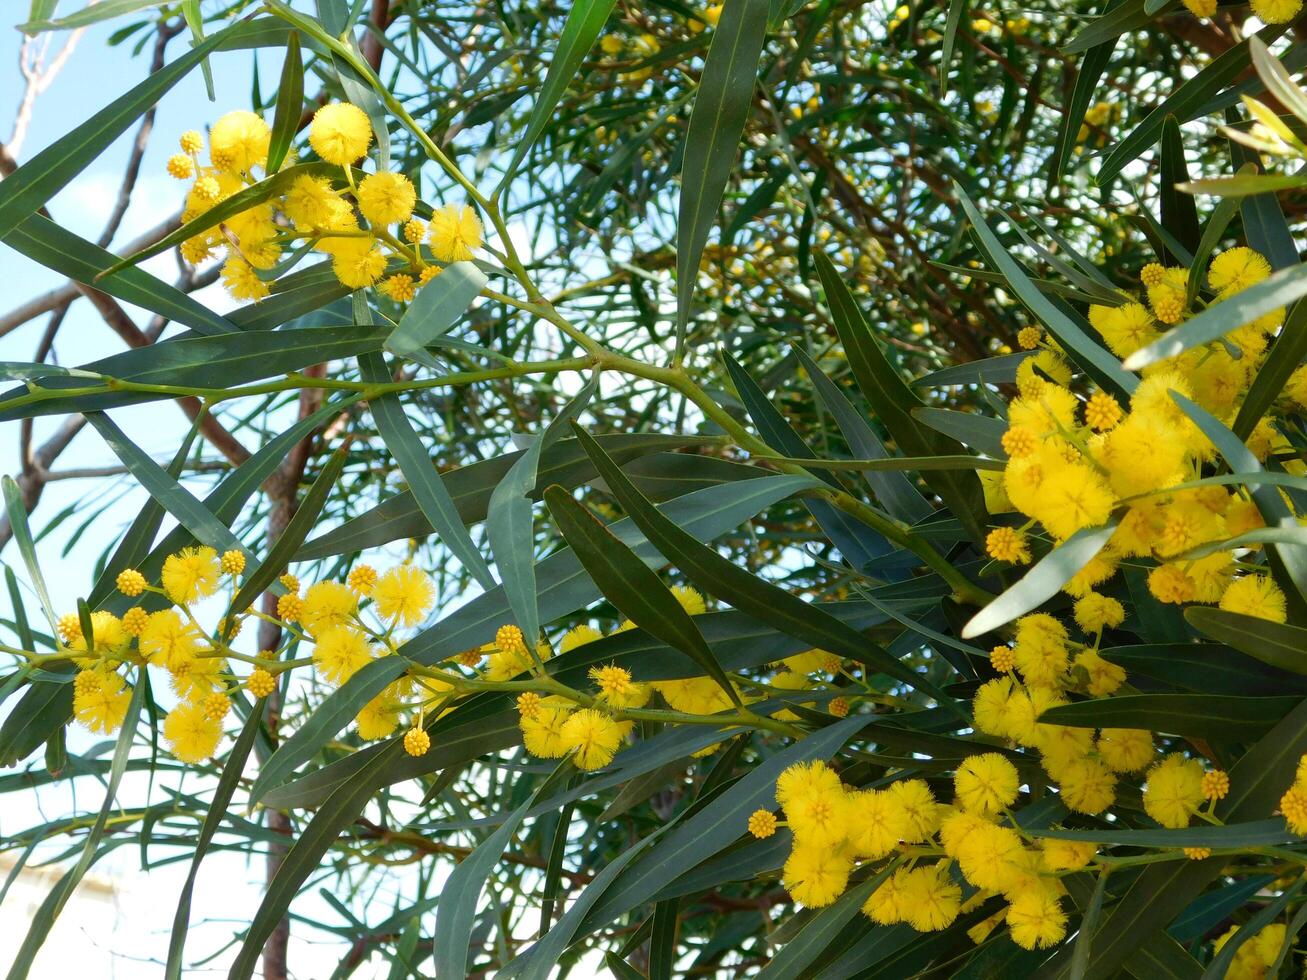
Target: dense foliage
x=807 y=489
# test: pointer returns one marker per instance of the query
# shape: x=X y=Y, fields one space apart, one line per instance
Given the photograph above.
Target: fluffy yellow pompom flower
x=379 y=717
x=386 y=198
x=357 y=262
x=542 y=730
x=1125 y=749
x=986 y=783
x=241 y=281
x=404 y=594
x=876 y=823
x=340 y=653
x=991 y=707
x=260 y=683
x=1276 y=11
x=593 y=737
x=328 y=605
x=1169 y=583
x=1293 y=804
x=455 y=233
x=1087 y=785
x=1028 y=337
x=166 y=641
x=100 y=701
x=192 y=735
x=1255 y=595
x=1066 y=855
x=191 y=141
x=239 y=141
x=191 y=574
x=1235 y=269
x=130 y=582
x=931 y=900
x=918 y=803
x=617 y=687
x=820 y=819
x=691 y=600
x=1174 y=790
x=578 y=636
x=1094 y=612
x=416 y=742
x=804 y=779
x=762 y=824
x=989 y=855
x=885 y=905
x=816 y=876
x=1036 y=920
x=340 y=133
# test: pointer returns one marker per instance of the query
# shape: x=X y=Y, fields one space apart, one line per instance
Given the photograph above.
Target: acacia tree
x=847 y=491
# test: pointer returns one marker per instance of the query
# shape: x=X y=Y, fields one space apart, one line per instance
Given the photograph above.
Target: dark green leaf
x=290 y=104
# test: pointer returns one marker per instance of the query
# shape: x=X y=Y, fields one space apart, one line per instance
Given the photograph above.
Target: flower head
x=386 y=198
x=455 y=232
x=340 y=133
x=404 y=594
x=190 y=574
x=593 y=737
x=762 y=823
x=191 y=734
x=986 y=783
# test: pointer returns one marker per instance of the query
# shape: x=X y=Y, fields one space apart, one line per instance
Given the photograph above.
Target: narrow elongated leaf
x=429 y=491
x=721 y=577
x=201 y=362
x=1258 y=833
x=1213 y=231
x=1264 y=224
x=893 y=402
x=88 y=15
x=822 y=930
x=22 y=533
x=1118 y=20
x=54 y=903
x=956 y=11
x=31 y=186
x=989 y=370
x=1220 y=965
x=1088 y=74
x=435 y=309
x=216 y=813
x=460 y=895
x=1096 y=360
x=1280 y=289
x=631 y=585
x=585 y=20
x=1213 y=716
x=1287 y=352
x=713 y=137
x=1179 y=214
x=1279 y=644
x=264 y=574
x=178 y=501
x=290 y=104
x=980 y=432
x=1042 y=582
x=509 y=520
x=67 y=253
x=895 y=492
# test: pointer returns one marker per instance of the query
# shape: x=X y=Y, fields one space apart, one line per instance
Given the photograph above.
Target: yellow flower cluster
x=1254 y=959
x=1293 y=804
x=1075 y=462
x=349 y=217
x=835 y=827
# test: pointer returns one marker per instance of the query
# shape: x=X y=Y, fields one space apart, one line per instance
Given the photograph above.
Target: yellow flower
x=1174 y=790
x=991 y=707
x=260 y=683
x=340 y=653
x=386 y=198
x=239 y=141
x=816 y=876
x=1028 y=337
x=820 y=819
x=415 y=229
x=885 y=906
x=923 y=813
x=762 y=824
x=340 y=133
x=379 y=717
x=357 y=262
x=327 y=605
x=1066 y=855
x=1036 y=920
x=362 y=578
x=617 y=687
x=578 y=636
x=986 y=783
x=404 y=594
x=100 y=700
x=1103 y=676
x=1169 y=583
x=1087 y=785
x=400 y=288
x=166 y=641
x=542 y=730
x=191 y=142
x=930 y=898
x=1276 y=11
x=593 y=737
x=1001 y=659
x=1201 y=8
x=130 y=582
x=1293 y=804
x=803 y=779
x=241 y=281
x=192 y=735
x=1095 y=612
x=455 y=232
x=877 y=822
x=990 y=856
x=181 y=166
x=1125 y=749
x=289 y=607
x=135 y=620
x=1255 y=595
x=416 y=742
x=1007 y=544
x=1102 y=411
x=191 y=574
x=1216 y=784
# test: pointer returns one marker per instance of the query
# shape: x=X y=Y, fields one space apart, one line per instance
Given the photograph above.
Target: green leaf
x=630 y=585
x=471 y=486
x=713 y=138
x=1088 y=74
x=1213 y=231
x=91 y=14
x=62 y=251
x=1287 y=352
x=1278 y=644
x=1243 y=185
x=1088 y=927
x=1118 y=20
x=435 y=309
x=30 y=187
x=509 y=522
x=290 y=105
x=213 y=818
x=585 y=19
x=178 y=501
x=45 y=706
x=980 y=432
x=425 y=484
x=1208 y=668
x=1042 y=582
x=16 y=511
x=1220 y=965
x=242 y=200
x=461 y=893
x=1259 y=833
x=746 y=592
x=1264 y=225
x=45 y=916
x=1179 y=215
x=1213 y=716
x=200 y=362
x=986 y=371
x=1183 y=103
x=957 y=9
x=265 y=573
x=1096 y=361
x=822 y=929
x=893 y=402
x=895 y=492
